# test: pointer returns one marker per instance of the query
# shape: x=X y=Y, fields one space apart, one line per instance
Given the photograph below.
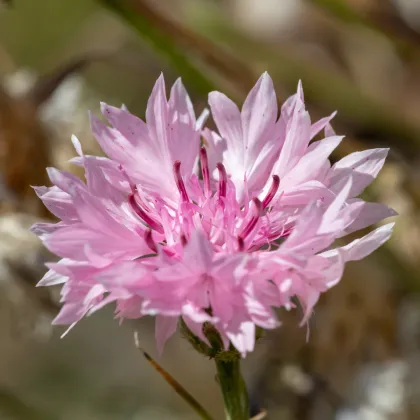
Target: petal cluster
x=212 y=226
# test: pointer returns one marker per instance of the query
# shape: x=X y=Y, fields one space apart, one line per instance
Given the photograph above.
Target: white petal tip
x=202 y=119
x=103 y=107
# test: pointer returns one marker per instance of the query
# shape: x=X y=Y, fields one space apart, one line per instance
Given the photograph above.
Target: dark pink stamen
x=241 y=244
x=143 y=214
x=222 y=179
x=272 y=192
x=205 y=171
x=179 y=181
x=183 y=239
x=256 y=214
x=148 y=238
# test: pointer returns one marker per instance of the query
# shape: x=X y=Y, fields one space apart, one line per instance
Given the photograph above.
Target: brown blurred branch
x=25 y=145
x=361 y=115
x=232 y=69
x=25 y=149
x=7 y=3
x=370 y=118
x=388 y=19
x=48 y=84
x=384 y=19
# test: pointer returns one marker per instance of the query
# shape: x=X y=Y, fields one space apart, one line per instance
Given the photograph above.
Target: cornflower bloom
x=219 y=232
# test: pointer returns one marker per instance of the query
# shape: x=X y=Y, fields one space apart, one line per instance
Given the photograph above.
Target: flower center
x=230 y=226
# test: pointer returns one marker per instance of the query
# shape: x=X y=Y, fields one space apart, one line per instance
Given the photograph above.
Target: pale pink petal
x=304 y=193
x=296 y=141
x=331 y=221
x=113 y=143
x=320 y=125
x=259 y=116
x=64 y=180
x=312 y=162
x=127 y=275
x=165 y=328
x=363 y=167
x=184 y=140
x=180 y=106
x=157 y=119
x=199 y=252
x=216 y=146
x=335 y=271
x=362 y=247
x=243 y=338
x=110 y=169
x=369 y=214
x=130 y=126
x=58 y=202
x=70 y=313
x=51 y=278
x=228 y=120
x=44 y=230
x=69 y=242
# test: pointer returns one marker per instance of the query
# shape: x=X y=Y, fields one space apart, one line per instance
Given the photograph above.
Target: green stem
x=233 y=389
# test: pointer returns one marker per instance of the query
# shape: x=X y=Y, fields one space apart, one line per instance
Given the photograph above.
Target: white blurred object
x=410 y=11
x=379 y=392
x=62 y=104
x=18 y=83
x=22 y=259
x=63 y=114
x=267 y=18
x=296 y=379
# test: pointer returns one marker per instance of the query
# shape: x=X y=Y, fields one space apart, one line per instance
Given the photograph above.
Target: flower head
x=220 y=233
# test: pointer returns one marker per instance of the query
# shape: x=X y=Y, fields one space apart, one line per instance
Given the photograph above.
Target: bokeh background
x=59 y=58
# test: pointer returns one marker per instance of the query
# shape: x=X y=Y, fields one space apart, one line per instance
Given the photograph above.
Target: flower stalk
x=231 y=382
x=232 y=385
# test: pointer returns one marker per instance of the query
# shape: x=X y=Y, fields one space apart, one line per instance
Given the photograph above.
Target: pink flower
x=222 y=233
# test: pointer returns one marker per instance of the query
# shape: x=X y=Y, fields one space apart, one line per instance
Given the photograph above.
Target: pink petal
x=369 y=214
x=112 y=142
x=199 y=252
x=259 y=116
x=165 y=328
x=317 y=127
x=244 y=338
x=304 y=194
x=362 y=247
x=51 y=278
x=157 y=118
x=66 y=181
x=228 y=120
x=184 y=141
x=297 y=139
x=58 y=203
x=130 y=126
x=70 y=313
x=313 y=161
x=128 y=275
x=331 y=221
x=362 y=166
x=180 y=106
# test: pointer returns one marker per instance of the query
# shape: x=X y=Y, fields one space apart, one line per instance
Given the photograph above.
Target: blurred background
x=59 y=58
